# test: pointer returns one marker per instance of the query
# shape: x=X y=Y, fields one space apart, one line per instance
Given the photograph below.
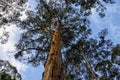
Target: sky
x=111 y=22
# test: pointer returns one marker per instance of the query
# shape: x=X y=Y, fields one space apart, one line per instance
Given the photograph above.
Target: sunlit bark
x=53 y=65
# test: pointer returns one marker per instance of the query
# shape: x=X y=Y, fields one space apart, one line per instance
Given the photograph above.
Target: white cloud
x=7 y=50
x=94 y=17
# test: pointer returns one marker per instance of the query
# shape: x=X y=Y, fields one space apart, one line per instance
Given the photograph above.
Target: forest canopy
x=83 y=57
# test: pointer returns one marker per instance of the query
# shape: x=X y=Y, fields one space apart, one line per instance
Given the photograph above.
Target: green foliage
x=10 y=12
x=69 y=77
x=76 y=44
x=115 y=52
x=8 y=72
x=104 y=78
x=102 y=64
x=5 y=76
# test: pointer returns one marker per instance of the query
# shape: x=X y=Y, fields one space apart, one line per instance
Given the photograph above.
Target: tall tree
x=71 y=49
x=8 y=72
x=10 y=12
x=53 y=65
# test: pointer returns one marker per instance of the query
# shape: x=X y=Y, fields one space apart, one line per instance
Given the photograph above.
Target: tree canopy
x=78 y=50
x=10 y=12
x=8 y=72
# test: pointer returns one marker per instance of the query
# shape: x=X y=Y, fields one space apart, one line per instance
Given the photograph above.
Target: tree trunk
x=53 y=65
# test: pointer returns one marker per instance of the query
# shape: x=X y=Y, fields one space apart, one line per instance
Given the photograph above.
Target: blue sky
x=111 y=21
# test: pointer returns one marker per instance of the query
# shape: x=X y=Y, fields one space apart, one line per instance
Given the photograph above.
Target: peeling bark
x=53 y=65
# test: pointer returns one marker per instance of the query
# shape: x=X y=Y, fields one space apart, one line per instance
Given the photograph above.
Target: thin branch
x=32 y=49
x=88 y=66
x=87 y=62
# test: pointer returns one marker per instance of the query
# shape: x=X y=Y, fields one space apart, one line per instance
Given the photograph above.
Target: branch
x=32 y=49
x=88 y=66
x=87 y=62
x=19 y=53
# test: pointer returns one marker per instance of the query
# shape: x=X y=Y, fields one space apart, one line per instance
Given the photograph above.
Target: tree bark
x=53 y=65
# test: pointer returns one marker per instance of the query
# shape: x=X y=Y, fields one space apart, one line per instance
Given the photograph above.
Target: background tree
x=10 y=12
x=8 y=72
x=5 y=76
x=99 y=55
x=80 y=53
